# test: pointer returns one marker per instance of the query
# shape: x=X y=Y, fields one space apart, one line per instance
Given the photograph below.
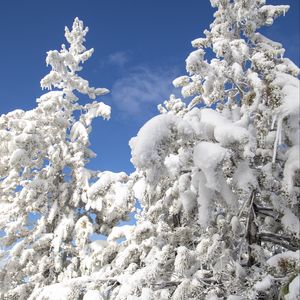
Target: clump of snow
x=290 y=89
x=98 y=245
x=289 y=255
x=194 y=62
x=172 y=163
x=139 y=188
x=19 y=156
x=92 y=295
x=79 y=131
x=210 y=119
x=204 y=199
x=104 y=182
x=188 y=200
x=292 y=165
x=294 y=289
x=264 y=284
x=291 y=222
x=208 y=155
x=120 y=232
x=229 y=134
x=151 y=145
x=237 y=71
x=147 y=146
x=235 y=297
x=181 y=81
x=199 y=43
x=236 y=225
x=244 y=177
x=96 y=109
x=57 y=291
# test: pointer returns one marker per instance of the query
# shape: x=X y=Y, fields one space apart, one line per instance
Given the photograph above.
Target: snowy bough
x=217 y=177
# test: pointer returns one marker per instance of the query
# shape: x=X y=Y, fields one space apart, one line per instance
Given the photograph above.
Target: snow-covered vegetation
x=217 y=178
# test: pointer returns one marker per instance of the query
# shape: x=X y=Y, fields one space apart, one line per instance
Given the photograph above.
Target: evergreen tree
x=47 y=195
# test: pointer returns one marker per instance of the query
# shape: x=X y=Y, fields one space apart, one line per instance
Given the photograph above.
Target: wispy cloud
x=140 y=89
x=119 y=59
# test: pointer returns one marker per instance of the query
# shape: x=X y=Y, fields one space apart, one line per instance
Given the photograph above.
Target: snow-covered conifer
x=46 y=192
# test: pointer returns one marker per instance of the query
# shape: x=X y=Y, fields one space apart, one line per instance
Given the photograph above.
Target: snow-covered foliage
x=221 y=182
x=47 y=195
x=217 y=176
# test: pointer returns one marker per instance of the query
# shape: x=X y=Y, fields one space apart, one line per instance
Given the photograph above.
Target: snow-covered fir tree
x=47 y=196
x=222 y=180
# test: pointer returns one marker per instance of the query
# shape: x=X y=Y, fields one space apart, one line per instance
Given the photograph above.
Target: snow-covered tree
x=47 y=196
x=217 y=178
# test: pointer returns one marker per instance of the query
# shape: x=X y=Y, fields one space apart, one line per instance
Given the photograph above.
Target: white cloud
x=119 y=58
x=140 y=89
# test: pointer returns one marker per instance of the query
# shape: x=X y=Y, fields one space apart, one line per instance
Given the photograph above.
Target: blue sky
x=140 y=47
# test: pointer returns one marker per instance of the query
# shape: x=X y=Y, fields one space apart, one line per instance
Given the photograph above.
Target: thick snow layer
x=181 y=81
x=259 y=38
x=234 y=297
x=204 y=201
x=244 y=177
x=210 y=119
x=152 y=144
x=57 y=291
x=139 y=188
x=95 y=110
x=292 y=164
x=104 y=182
x=290 y=88
x=151 y=139
x=229 y=134
x=51 y=96
x=294 y=289
x=92 y=295
x=194 y=62
x=208 y=155
x=264 y=284
x=120 y=232
x=18 y=156
x=290 y=222
x=290 y=255
x=79 y=131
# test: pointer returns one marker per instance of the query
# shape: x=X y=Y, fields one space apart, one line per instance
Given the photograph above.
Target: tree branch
x=285 y=242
